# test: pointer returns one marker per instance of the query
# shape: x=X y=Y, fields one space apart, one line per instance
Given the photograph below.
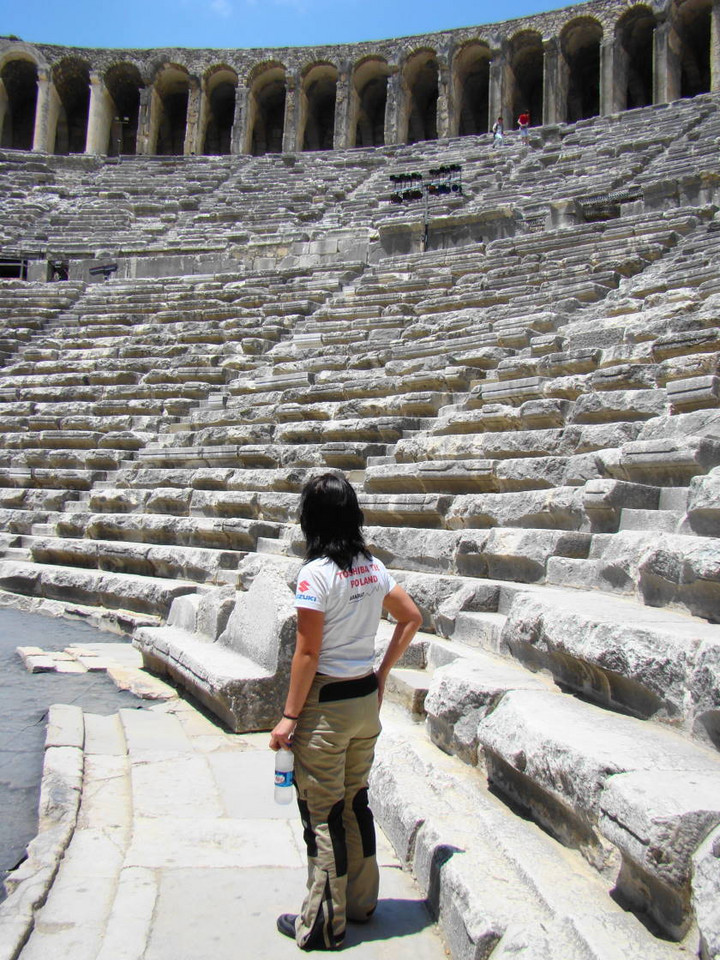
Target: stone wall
x=594 y=58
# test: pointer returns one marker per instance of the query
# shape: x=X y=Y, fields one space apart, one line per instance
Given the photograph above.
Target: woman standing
x=331 y=712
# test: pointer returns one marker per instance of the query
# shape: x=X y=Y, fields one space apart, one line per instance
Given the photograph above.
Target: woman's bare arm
x=308 y=641
x=402 y=608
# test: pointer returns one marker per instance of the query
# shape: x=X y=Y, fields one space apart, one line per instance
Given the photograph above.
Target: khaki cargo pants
x=334 y=745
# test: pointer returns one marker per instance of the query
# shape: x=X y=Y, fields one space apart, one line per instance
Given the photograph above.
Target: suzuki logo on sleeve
x=303 y=586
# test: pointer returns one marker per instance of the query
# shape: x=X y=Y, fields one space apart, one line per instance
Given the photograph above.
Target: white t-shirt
x=352 y=604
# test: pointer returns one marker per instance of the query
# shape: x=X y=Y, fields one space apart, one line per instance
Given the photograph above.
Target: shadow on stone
x=394 y=917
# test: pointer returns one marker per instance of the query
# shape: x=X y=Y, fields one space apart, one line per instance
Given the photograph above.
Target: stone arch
x=71 y=77
x=266 y=109
x=124 y=83
x=421 y=83
x=526 y=61
x=471 y=87
x=169 y=123
x=319 y=92
x=634 y=37
x=369 y=102
x=693 y=25
x=580 y=41
x=221 y=86
x=18 y=101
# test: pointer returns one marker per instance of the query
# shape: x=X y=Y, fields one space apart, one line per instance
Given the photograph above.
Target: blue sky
x=243 y=23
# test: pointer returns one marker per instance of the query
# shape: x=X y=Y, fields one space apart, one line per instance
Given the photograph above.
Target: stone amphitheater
x=213 y=288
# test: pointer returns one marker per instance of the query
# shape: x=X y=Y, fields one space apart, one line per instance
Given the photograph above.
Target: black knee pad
x=365 y=822
x=308 y=832
x=337 y=837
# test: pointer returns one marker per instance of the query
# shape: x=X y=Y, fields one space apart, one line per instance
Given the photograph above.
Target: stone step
x=269 y=545
x=161 y=528
x=642 y=565
x=71 y=586
x=408 y=688
x=479 y=629
x=647 y=662
x=660 y=521
x=613 y=780
x=184 y=562
x=494 y=880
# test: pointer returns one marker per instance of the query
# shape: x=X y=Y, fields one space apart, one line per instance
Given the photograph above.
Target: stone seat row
x=528 y=555
x=171 y=395
x=125 y=374
x=580 y=820
x=599 y=505
x=191 y=553
x=631 y=769
x=109 y=172
x=123 y=600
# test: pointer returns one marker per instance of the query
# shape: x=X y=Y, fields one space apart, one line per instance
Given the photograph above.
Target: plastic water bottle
x=284 y=776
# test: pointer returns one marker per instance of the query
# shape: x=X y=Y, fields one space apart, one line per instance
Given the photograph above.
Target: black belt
x=348 y=689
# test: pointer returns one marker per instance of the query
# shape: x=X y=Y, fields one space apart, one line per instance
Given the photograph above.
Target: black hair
x=331 y=519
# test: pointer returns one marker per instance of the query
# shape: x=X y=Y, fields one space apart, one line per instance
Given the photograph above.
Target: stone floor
x=178 y=850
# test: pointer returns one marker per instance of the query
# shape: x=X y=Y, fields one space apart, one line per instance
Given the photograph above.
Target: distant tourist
x=524 y=125
x=330 y=720
x=498 y=130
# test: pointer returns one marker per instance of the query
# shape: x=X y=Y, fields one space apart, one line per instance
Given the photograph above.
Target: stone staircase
x=531 y=420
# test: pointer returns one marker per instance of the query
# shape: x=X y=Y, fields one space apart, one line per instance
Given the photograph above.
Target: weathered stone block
x=557 y=756
x=694 y=393
x=658 y=820
x=604 y=500
x=407 y=549
x=522 y=555
x=461 y=694
x=668 y=461
x=640 y=661
x=243 y=676
x=705 y=898
x=557 y=509
x=683 y=571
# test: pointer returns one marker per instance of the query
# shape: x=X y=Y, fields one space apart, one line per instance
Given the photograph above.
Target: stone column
x=341 y=130
x=47 y=108
x=4 y=107
x=240 y=134
x=442 y=117
x=192 y=118
x=454 y=99
x=715 y=47
x=203 y=118
x=353 y=112
x=666 y=63
x=100 y=116
x=497 y=107
x=143 y=145
x=393 y=106
x=555 y=76
x=613 y=77
x=292 y=107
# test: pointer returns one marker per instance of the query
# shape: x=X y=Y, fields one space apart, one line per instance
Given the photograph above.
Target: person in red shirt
x=524 y=123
